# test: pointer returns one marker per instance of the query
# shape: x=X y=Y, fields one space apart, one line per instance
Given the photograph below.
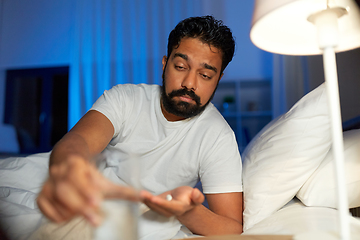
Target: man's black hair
x=208 y=30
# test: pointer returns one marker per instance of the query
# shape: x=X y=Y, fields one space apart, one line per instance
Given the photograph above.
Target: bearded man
x=176 y=133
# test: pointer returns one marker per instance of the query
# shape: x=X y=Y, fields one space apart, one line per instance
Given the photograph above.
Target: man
x=177 y=135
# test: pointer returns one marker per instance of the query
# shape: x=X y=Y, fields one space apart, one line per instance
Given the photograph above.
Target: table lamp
x=312 y=27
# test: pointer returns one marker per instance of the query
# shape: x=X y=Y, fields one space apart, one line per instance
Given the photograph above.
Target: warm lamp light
x=283 y=27
x=310 y=27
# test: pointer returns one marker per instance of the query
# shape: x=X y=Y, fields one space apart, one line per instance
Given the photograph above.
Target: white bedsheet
x=21 y=179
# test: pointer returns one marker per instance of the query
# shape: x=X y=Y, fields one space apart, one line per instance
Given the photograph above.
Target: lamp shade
x=283 y=26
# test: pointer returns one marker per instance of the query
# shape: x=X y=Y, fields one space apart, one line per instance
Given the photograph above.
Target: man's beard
x=181 y=108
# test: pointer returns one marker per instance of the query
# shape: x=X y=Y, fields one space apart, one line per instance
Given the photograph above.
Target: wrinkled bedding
x=21 y=180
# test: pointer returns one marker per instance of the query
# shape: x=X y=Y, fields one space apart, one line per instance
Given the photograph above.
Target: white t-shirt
x=168 y=154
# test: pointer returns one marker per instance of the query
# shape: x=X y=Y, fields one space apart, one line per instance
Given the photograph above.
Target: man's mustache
x=183 y=92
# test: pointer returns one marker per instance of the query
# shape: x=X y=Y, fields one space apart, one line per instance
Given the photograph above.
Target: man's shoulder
x=212 y=118
x=131 y=90
x=211 y=113
x=138 y=87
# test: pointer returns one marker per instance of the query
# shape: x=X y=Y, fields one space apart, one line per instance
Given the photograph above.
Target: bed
x=288 y=175
x=289 y=186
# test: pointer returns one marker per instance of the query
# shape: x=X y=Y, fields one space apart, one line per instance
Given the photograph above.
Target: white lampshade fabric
x=282 y=26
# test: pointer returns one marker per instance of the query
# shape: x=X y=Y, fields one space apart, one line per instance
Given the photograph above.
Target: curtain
x=116 y=42
x=291 y=82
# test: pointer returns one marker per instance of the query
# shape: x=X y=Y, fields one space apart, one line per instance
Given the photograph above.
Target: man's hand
x=183 y=200
x=76 y=188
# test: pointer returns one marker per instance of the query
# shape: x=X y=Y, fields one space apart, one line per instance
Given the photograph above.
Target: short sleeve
x=114 y=104
x=221 y=171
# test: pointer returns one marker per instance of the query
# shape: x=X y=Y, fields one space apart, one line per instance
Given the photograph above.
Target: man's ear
x=164 y=60
x=221 y=75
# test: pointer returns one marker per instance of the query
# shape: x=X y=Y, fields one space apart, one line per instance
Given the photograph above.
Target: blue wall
x=39 y=33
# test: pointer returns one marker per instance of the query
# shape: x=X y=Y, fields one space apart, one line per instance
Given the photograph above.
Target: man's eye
x=179 y=67
x=205 y=76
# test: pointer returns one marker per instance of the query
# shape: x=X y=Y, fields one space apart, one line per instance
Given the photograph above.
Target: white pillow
x=320 y=188
x=283 y=155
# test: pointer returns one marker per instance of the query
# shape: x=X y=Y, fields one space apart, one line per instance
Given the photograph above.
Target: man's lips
x=185 y=95
x=186 y=98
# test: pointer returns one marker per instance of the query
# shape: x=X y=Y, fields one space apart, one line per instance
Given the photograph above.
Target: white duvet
x=21 y=180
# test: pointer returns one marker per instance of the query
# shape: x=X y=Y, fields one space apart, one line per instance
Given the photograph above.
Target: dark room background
x=57 y=57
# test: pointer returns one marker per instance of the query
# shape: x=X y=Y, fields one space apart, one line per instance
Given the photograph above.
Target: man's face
x=190 y=77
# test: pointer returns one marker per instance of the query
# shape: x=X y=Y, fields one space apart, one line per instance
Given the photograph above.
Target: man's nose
x=190 y=81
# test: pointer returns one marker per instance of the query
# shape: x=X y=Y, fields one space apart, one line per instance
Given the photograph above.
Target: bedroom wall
x=349 y=80
x=38 y=33
x=32 y=34
x=249 y=62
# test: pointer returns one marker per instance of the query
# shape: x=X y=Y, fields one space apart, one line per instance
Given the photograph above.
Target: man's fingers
x=75 y=202
x=75 y=173
x=111 y=191
x=65 y=203
x=182 y=200
x=65 y=213
x=152 y=202
x=77 y=189
x=85 y=184
x=48 y=209
x=93 y=216
x=158 y=208
x=145 y=195
x=165 y=207
x=57 y=213
x=197 y=197
x=69 y=196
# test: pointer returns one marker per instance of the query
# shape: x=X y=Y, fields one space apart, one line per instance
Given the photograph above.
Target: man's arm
x=224 y=216
x=86 y=139
x=74 y=186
